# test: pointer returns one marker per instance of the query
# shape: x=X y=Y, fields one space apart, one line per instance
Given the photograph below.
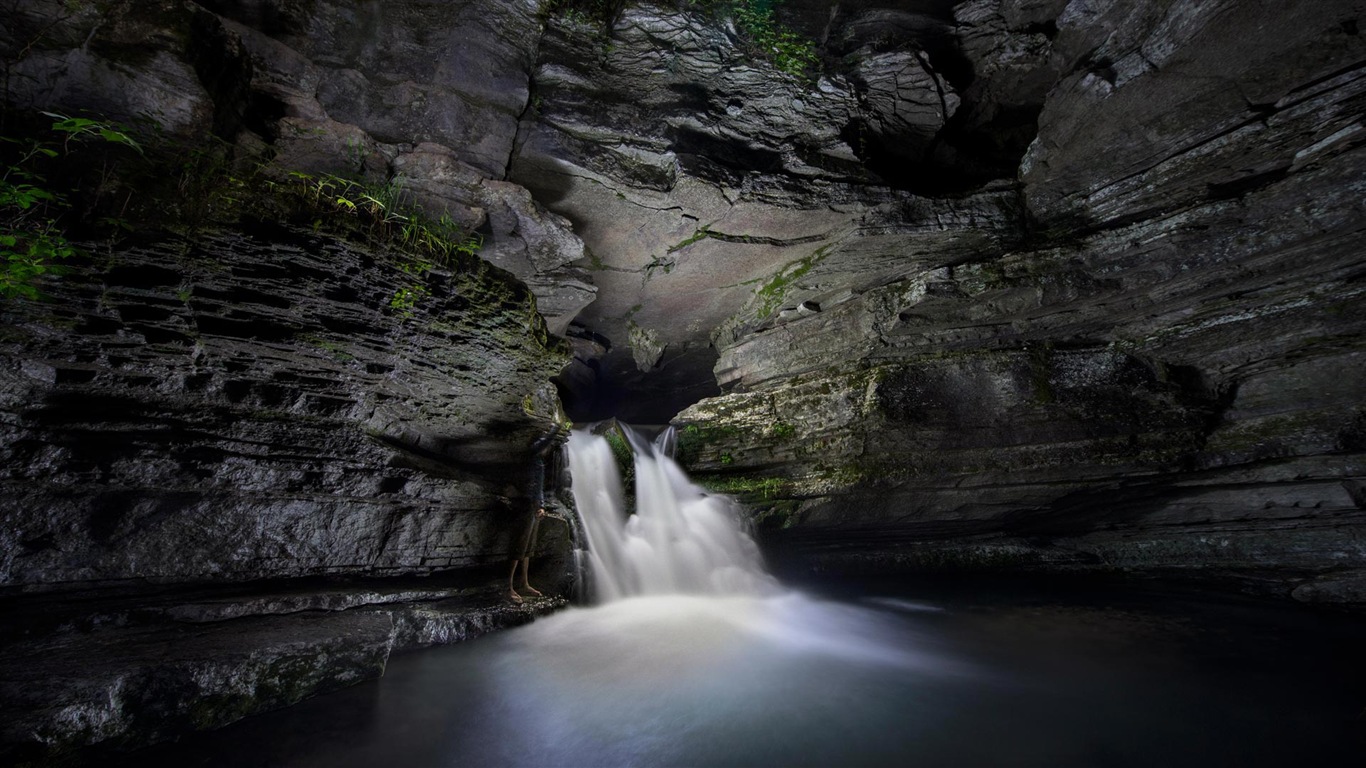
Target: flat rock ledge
x=119 y=677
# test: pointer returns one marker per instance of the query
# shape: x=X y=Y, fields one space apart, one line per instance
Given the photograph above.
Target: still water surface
x=879 y=674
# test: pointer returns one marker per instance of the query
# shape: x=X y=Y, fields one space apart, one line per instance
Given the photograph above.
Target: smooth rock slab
x=127 y=687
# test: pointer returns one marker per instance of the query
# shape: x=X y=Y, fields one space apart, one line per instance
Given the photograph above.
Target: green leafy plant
x=789 y=51
x=623 y=455
x=601 y=15
x=33 y=238
x=406 y=297
x=80 y=128
x=380 y=212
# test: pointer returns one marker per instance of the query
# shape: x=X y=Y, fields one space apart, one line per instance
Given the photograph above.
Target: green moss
x=698 y=440
x=846 y=474
x=745 y=487
x=595 y=262
x=779 y=515
x=701 y=234
x=772 y=293
x=623 y=455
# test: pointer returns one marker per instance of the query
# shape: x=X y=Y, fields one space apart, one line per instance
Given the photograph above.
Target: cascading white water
x=680 y=540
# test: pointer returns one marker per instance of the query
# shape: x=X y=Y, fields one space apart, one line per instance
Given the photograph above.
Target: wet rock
x=137 y=687
x=145 y=680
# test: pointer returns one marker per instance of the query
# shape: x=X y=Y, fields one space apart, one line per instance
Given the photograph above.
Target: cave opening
x=1011 y=349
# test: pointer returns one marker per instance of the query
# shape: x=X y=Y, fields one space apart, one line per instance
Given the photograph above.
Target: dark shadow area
x=612 y=387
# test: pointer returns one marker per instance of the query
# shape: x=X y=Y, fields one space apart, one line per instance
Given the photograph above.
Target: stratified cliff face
x=700 y=176
x=238 y=407
x=191 y=426
x=1161 y=373
x=242 y=404
x=243 y=461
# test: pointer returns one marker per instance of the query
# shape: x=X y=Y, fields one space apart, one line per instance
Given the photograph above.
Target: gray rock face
x=237 y=408
x=1189 y=102
x=244 y=406
x=426 y=95
x=696 y=173
x=1030 y=284
x=1157 y=374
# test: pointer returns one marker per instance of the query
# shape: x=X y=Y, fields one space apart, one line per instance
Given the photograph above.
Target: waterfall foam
x=679 y=540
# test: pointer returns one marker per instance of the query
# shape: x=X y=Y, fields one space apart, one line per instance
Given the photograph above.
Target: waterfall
x=667 y=442
x=680 y=539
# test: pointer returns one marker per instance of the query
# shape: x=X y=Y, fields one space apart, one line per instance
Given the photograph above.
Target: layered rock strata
x=1025 y=284
x=247 y=403
x=239 y=407
x=698 y=173
x=1161 y=374
x=422 y=95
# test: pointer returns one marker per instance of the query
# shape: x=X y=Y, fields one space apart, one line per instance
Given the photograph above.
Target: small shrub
x=769 y=38
x=33 y=234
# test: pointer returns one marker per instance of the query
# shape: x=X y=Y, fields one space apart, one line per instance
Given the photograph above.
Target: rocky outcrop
x=240 y=407
x=1018 y=284
x=698 y=173
x=1158 y=376
x=253 y=404
x=147 y=669
x=394 y=93
x=250 y=408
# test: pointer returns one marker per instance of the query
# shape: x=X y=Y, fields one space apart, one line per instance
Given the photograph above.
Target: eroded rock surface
x=699 y=175
x=240 y=407
x=421 y=94
x=243 y=407
x=1162 y=374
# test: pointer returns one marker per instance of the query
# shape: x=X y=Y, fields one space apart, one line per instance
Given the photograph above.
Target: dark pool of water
x=874 y=674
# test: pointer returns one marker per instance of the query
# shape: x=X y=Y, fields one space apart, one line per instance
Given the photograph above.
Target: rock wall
x=698 y=173
x=424 y=94
x=1060 y=285
x=249 y=406
x=224 y=406
x=1160 y=371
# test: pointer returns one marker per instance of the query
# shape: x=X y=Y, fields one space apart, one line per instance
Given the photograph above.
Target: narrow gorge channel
x=1003 y=359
